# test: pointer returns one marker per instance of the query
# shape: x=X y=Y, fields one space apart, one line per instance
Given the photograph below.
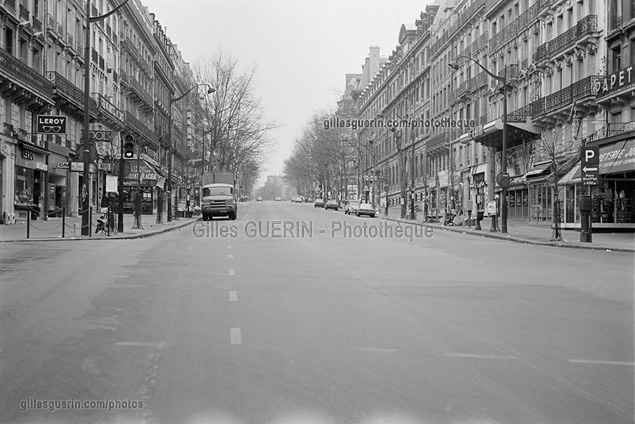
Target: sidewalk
x=531 y=233
x=51 y=230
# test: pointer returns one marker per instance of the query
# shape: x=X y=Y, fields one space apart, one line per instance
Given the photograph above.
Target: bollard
x=75 y=229
x=585 y=205
x=90 y=222
x=63 y=220
x=28 y=223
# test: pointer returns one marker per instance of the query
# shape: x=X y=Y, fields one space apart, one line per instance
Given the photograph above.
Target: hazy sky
x=301 y=49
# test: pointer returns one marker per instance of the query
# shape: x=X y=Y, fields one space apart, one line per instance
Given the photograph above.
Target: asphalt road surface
x=292 y=314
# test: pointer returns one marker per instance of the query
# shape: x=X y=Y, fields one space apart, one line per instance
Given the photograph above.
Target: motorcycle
x=101 y=225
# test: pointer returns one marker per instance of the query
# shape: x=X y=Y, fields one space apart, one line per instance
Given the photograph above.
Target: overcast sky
x=301 y=49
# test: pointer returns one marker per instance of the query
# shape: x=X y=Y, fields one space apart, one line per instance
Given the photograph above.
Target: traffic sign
x=503 y=179
x=117 y=165
x=590 y=164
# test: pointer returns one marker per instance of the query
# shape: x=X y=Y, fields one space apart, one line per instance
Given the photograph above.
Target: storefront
x=30 y=181
x=144 y=182
x=613 y=196
x=518 y=200
x=57 y=180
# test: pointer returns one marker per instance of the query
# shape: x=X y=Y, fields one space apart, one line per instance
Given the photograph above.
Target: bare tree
x=236 y=123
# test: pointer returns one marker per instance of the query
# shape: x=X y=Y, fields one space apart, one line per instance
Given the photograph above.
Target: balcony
x=437 y=141
x=576 y=35
x=108 y=113
x=23 y=84
x=69 y=98
x=582 y=92
x=461 y=91
x=141 y=93
x=141 y=129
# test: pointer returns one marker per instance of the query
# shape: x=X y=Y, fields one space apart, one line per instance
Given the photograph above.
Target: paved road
x=224 y=323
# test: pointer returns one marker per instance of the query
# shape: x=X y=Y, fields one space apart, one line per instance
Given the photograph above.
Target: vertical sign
x=590 y=164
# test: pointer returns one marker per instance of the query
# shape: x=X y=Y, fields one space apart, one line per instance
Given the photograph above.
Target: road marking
x=233 y=296
x=229 y=247
x=127 y=286
x=377 y=350
x=230 y=256
x=476 y=356
x=139 y=344
x=587 y=361
x=234 y=334
x=232 y=271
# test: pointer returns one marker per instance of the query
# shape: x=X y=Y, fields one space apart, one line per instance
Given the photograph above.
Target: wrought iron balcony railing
x=567 y=39
x=15 y=70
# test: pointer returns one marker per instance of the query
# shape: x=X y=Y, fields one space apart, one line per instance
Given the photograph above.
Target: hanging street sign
x=590 y=165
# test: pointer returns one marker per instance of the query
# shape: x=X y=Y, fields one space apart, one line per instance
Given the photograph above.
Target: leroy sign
x=590 y=164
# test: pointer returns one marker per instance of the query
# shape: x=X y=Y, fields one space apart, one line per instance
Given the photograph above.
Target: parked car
x=278 y=199
x=332 y=204
x=351 y=207
x=319 y=203
x=365 y=209
x=259 y=199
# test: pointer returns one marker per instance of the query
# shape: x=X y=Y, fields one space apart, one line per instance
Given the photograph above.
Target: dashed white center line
x=233 y=296
x=597 y=362
x=234 y=335
x=476 y=356
x=232 y=271
x=230 y=256
x=229 y=247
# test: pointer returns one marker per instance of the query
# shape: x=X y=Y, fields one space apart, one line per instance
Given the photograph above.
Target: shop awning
x=571 y=177
x=538 y=170
x=617 y=157
x=491 y=134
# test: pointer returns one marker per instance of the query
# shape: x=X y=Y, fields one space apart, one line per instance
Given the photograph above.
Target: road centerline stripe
x=477 y=356
x=600 y=362
x=233 y=296
x=232 y=271
x=234 y=335
x=230 y=256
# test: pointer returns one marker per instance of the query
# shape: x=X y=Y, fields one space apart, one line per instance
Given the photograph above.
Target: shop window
x=24 y=182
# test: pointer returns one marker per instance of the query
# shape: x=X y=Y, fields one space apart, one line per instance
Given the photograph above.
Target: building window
x=616 y=58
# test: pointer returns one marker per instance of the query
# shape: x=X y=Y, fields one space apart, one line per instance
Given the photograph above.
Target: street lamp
x=86 y=141
x=503 y=181
x=210 y=90
x=402 y=165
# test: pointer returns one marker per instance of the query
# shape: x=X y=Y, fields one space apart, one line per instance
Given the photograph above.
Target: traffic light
x=128 y=147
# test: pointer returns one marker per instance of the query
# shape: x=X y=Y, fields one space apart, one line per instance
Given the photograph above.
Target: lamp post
x=210 y=90
x=86 y=141
x=503 y=181
x=402 y=170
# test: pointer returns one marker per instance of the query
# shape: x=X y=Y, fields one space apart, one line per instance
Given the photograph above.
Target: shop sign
x=63 y=165
x=443 y=178
x=36 y=165
x=27 y=154
x=100 y=135
x=479 y=179
x=615 y=81
x=617 y=157
x=51 y=124
x=79 y=167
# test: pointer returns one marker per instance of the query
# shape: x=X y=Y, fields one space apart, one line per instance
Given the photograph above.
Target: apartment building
x=569 y=82
x=134 y=71
x=615 y=137
x=399 y=93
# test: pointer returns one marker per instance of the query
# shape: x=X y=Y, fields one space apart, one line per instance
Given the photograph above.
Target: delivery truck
x=218 y=196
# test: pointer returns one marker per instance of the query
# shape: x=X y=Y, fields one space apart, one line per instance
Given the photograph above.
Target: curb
x=117 y=237
x=511 y=238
